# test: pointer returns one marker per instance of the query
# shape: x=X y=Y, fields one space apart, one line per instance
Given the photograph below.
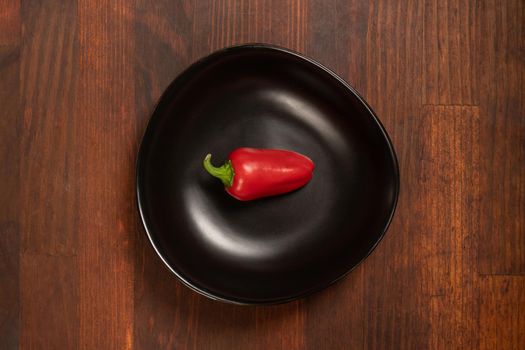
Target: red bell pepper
x=251 y=173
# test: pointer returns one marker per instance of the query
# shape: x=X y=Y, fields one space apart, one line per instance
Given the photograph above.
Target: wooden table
x=78 y=81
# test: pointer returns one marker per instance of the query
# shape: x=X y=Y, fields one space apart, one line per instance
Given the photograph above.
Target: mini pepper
x=251 y=173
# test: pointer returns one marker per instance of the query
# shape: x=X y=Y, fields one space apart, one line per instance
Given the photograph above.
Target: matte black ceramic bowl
x=280 y=248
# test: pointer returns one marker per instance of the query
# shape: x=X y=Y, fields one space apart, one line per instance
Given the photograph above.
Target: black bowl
x=276 y=249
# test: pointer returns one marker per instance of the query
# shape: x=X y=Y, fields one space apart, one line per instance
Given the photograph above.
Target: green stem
x=223 y=173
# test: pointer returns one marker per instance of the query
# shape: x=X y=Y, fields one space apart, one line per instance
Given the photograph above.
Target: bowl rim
x=140 y=157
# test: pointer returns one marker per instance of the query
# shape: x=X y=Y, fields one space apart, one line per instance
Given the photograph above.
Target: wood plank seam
x=10 y=130
x=437 y=105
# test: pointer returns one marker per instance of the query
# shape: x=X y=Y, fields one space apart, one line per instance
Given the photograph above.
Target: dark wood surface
x=78 y=80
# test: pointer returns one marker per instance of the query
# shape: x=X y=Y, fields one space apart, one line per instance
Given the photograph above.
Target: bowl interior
x=278 y=248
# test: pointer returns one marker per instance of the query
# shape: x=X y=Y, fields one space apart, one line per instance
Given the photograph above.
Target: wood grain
x=107 y=129
x=502 y=300
x=49 y=308
x=48 y=177
x=394 y=301
x=47 y=77
x=450 y=52
x=10 y=22
x=502 y=240
x=9 y=193
x=447 y=247
x=79 y=82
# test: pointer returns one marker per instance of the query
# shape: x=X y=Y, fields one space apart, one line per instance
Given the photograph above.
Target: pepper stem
x=223 y=173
